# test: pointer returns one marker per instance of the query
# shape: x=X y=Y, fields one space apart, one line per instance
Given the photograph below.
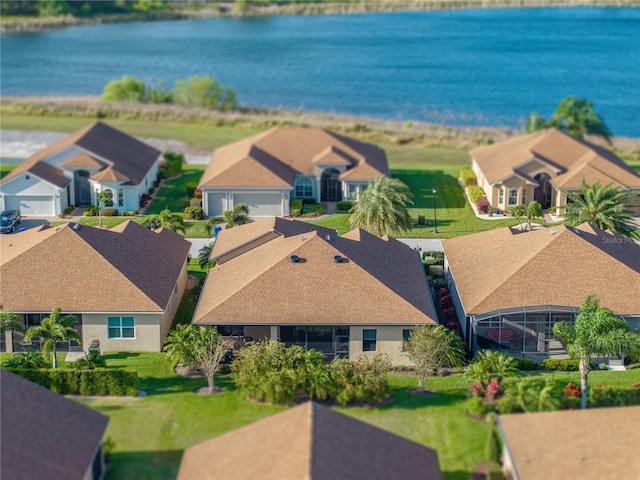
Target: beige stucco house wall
x=389 y=341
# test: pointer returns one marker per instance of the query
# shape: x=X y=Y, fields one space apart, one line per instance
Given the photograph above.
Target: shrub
x=363 y=380
x=566 y=365
x=477 y=407
x=606 y=396
x=434 y=254
x=467 y=177
x=552 y=209
x=172 y=164
x=526 y=364
x=422 y=220
x=295 y=207
x=28 y=359
x=194 y=213
x=482 y=204
x=90 y=211
x=131 y=213
x=313 y=209
x=109 y=212
x=92 y=360
x=344 y=206
x=151 y=190
x=475 y=193
x=508 y=404
x=191 y=188
x=436 y=271
x=309 y=201
x=99 y=381
x=195 y=202
x=494 y=471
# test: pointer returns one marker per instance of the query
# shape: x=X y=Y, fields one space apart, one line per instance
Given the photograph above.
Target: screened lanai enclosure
x=524 y=332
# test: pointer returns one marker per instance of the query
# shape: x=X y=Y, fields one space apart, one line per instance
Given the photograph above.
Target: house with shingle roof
x=303 y=284
x=45 y=435
x=309 y=441
x=591 y=444
x=124 y=284
x=510 y=288
x=73 y=170
x=267 y=170
x=542 y=165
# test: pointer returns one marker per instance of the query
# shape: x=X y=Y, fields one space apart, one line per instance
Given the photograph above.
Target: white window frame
x=514 y=198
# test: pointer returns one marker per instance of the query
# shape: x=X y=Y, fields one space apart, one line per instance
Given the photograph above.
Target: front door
x=542 y=193
x=330 y=186
x=82 y=188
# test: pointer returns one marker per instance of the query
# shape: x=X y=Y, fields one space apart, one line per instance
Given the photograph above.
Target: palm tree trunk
x=8 y=341
x=55 y=358
x=584 y=371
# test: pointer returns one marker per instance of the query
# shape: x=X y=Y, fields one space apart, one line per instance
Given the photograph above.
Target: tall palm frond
x=382 y=207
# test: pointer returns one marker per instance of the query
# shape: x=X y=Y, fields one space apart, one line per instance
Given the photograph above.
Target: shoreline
x=399 y=132
x=231 y=10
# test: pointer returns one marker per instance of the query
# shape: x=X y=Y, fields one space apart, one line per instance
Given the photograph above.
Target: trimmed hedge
x=109 y=212
x=295 y=207
x=311 y=210
x=99 y=381
x=344 y=206
x=571 y=365
x=526 y=364
x=606 y=396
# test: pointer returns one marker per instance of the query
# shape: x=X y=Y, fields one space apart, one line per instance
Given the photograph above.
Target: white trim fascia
x=227 y=189
x=39 y=178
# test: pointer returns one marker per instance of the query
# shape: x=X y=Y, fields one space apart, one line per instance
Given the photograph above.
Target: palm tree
x=596 y=330
x=382 y=207
x=238 y=216
x=179 y=345
x=9 y=322
x=54 y=328
x=204 y=256
x=166 y=219
x=531 y=211
x=105 y=197
x=577 y=117
x=602 y=206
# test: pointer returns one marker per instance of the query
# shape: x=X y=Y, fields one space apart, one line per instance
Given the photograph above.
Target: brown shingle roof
x=272 y=158
x=49 y=174
x=596 y=444
x=553 y=266
x=383 y=276
x=45 y=435
x=131 y=157
x=109 y=174
x=115 y=270
x=82 y=160
x=309 y=441
x=562 y=151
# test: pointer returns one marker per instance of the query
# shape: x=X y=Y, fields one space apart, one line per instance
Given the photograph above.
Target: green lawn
x=172 y=191
x=5 y=168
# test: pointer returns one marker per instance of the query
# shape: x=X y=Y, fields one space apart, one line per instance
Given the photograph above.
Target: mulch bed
x=205 y=390
x=187 y=371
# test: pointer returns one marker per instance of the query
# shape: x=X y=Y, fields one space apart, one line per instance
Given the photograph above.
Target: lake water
x=468 y=67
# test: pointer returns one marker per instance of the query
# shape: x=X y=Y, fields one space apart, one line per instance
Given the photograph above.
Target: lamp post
x=435 y=218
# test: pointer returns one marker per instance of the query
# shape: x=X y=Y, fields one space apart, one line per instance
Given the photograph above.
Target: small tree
x=179 y=345
x=433 y=348
x=127 y=89
x=54 y=328
x=238 y=216
x=596 y=330
x=105 y=198
x=208 y=350
x=9 y=322
x=166 y=219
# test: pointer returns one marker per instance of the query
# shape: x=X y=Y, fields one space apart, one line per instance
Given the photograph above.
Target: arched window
x=303 y=187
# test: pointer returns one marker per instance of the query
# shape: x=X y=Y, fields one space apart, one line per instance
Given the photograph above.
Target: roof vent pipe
x=337 y=259
x=294 y=258
x=327 y=237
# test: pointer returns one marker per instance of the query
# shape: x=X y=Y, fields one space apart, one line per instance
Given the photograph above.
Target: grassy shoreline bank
x=237 y=10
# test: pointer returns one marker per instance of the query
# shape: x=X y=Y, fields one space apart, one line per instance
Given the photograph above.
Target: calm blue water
x=474 y=67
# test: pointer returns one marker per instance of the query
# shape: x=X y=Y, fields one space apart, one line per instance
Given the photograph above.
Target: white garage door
x=261 y=204
x=215 y=204
x=37 y=206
